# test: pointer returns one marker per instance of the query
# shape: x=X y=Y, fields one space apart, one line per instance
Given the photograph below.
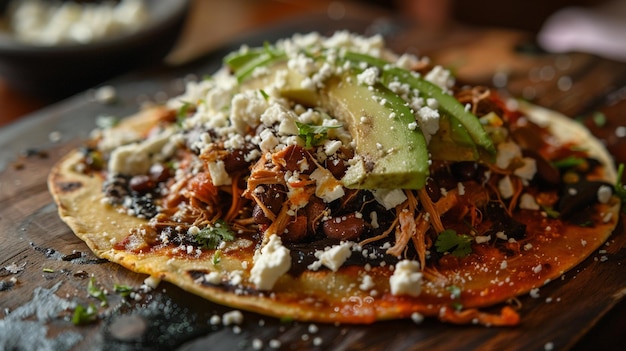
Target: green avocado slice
x=391 y=154
x=447 y=103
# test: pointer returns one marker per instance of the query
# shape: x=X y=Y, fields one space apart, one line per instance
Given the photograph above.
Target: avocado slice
x=447 y=103
x=452 y=142
x=392 y=155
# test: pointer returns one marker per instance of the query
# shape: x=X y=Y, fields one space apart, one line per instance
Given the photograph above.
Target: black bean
x=141 y=184
x=346 y=227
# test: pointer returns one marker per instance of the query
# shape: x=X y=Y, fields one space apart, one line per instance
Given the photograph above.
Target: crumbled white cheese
x=105 y=94
x=246 y=110
x=482 y=239
x=268 y=140
x=331 y=146
x=505 y=186
x=374 y=219
x=507 y=151
x=274 y=113
x=428 y=120
x=534 y=293
x=369 y=76
x=527 y=170
x=407 y=61
x=417 y=317
x=272 y=262
x=152 y=282
x=527 y=202
x=606 y=218
x=406 y=279
x=219 y=176
x=112 y=138
x=432 y=103
x=234 y=317
x=389 y=198
x=213 y=278
x=326 y=186
x=133 y=159
x=604 y=194
x=461 y=188
x=440 y=77
x=332 y=257
x=234 y=141
x=366 y=283
x=302 y=64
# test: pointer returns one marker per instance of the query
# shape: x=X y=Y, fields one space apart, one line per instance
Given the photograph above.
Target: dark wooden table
x=45 y=270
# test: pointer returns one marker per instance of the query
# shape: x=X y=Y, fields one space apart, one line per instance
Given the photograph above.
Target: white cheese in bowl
x=48 y=23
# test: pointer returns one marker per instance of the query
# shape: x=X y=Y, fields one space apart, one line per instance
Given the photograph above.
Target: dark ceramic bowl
x=59 y=71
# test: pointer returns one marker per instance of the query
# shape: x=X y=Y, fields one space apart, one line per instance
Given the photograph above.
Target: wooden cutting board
x=45 y=270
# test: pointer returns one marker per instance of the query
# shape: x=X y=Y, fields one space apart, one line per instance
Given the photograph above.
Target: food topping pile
x=320 y=153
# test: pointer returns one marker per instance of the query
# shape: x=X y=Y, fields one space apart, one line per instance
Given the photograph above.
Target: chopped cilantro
x=94 y=160
x=183 y=111
x=313 y=135
x=286 y=319
x=569 y=162
x=455 y=291
x=264 y=94
x=217 y=257
x=211 y=236
x=457 y=305
x=455 y=294
x=123 y=290
x=599 y=119
x=459 y=245
x=96 y=292
x=84 y=315
x=550 y=212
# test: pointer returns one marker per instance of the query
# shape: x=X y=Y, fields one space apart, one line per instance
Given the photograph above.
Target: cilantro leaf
x=184 y=111
x=217 y=257
x=569 y=162
x=455 y=295
x=599 y=119
x=84 y=315
x=264 y=94
x=96 y=292
x=123 y=290
x=313 y=135
x=459 y=245
x=455 y=291
x=550 y=212
x=212 y=236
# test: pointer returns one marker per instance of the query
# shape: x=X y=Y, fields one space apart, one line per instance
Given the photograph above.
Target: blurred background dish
x=66 y=67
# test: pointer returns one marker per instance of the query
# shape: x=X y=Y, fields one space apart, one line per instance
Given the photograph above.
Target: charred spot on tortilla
x=68 y=186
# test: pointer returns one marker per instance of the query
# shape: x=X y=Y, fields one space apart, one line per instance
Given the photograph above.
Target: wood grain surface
x=45 y=270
